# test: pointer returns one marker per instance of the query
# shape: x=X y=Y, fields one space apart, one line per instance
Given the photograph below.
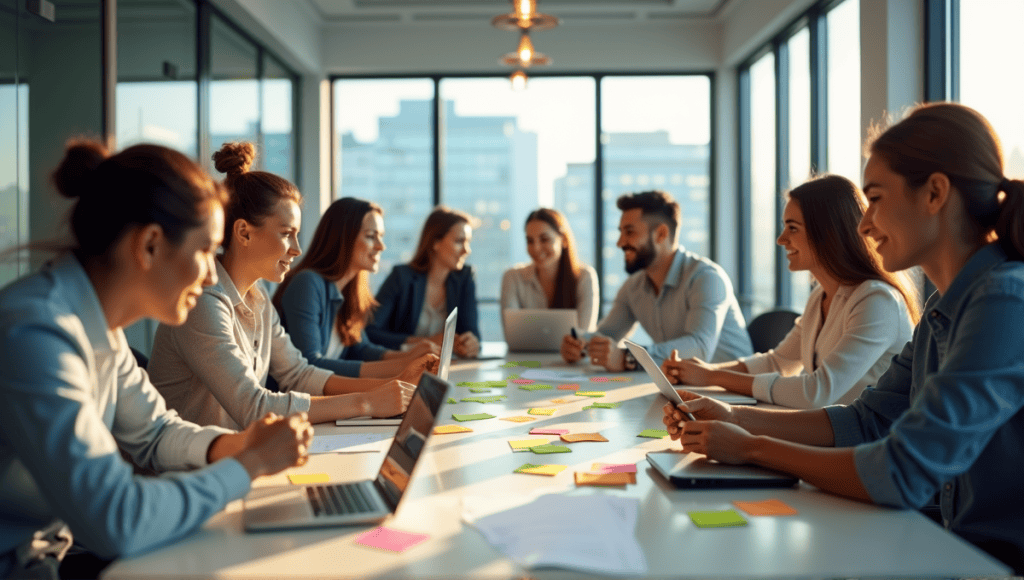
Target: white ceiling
x=481 y=11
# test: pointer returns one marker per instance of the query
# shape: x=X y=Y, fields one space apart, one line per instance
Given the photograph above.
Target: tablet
x=682 y=471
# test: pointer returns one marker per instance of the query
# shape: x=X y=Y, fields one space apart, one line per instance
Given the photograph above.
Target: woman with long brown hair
x=416 y=297
x=555 y=277
x=946 y=417
x=855 y=320
x=325 y=301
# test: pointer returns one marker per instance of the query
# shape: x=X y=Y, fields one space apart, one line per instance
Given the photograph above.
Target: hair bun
x=81 y=158
x=234 y=158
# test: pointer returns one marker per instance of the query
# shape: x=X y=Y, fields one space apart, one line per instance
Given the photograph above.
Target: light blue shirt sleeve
x=620 y=320
x=707 y=305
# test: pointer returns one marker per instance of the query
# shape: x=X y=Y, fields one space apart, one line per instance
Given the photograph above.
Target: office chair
x=768 y=329
x=140 y=358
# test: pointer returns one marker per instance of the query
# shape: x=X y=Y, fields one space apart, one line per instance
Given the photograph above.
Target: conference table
x=829 y=537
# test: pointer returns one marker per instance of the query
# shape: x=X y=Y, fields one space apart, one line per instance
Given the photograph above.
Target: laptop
x=653 y=370
x=447 y=343
x=682 y=470
x=314 y=506
x=537 y=329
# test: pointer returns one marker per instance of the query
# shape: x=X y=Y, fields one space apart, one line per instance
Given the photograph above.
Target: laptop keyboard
x=340 y=499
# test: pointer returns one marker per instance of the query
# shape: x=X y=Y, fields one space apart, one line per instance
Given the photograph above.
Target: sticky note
x=494 y=384
x=479 y=390
x=510 y=364
x=590 y=393
x=535 y=387
x=653 y=433
x=545 y=431
x=577 y=437
x=560 y=401
x=525 y=444
x=472 y=384
x=620 y=379
x=542 y=411
x=544 y=449
x=388 y=539
x=523 y=381
x=604 y=478
x=474 y=417
x=768 y=507
x=569 y=387
x=719 y=519
x=530 y=364
x=449 y=429
x=613 y=467
x=451 y=401
x=491 y=399
x=603 y=406
x=511 y=377
x=549 y=469
x=519 y=419
x=599 y=379
x=306 y=478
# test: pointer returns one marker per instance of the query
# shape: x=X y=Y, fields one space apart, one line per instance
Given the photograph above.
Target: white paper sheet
x=594 y=533
x=350 y=443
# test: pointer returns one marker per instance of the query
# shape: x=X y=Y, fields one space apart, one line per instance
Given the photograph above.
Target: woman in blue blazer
x=416 y=297
x=325 y=301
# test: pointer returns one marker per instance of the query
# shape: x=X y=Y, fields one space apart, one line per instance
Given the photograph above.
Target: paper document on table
x=350 y=443
x=594 y=533
x=550 y=375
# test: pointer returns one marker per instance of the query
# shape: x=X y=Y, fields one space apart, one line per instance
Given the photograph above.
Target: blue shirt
x=72 y=394
x=309 y=310
x=946 y=417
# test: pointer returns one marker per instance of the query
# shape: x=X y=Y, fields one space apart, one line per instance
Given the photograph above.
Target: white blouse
x=520 y=288
x=826 y=362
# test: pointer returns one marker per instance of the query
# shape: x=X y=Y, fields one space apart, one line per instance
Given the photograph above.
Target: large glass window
x=504 y=154
x=844 y=86
x=763 y=194
x=234 y=90
x=989 y=39
x=656 y=134
x=799 y=51
x=277 y=119
x=13 y=146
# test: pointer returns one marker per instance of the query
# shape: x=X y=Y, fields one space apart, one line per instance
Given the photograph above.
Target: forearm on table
x=738 y=382
x=828 y=469
x=326 y=409
x=223 y=446
x=807 y=427
x=338 y=385
x=381 y=369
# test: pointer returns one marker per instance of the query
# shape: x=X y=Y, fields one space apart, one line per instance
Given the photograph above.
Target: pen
x=572 y=330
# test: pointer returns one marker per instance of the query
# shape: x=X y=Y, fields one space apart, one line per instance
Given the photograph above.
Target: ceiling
x=481 y=11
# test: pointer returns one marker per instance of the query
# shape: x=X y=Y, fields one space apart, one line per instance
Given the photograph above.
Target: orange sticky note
x=519 y=419
x=768 y=507
x=306 y=478
x=448 y=429
x=577 y=437
x=604 y=478
x=569 y=387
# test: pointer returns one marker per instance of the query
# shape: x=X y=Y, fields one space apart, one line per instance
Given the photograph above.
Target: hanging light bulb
x=524 y=11
x=518 y=79
x=525 y=49
x=524 y=17
x=525 y=55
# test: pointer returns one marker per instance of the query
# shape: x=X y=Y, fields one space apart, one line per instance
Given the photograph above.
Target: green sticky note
x=544 y=449
x=653 y=433
x=535 y=387
x=451 y=401
x=532 y=364
x=510 y=364
x=491 y=399
x=479 y=390
x=526 y=466
x=722 y=519
x=603 y=406
x=494 y=384
x=511 y=377
x=474 y=417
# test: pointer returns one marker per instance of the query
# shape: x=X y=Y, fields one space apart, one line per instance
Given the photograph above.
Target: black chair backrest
x=768 y=329
x=140 y=358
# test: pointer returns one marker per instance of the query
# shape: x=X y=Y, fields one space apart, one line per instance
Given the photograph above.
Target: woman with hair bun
x=213 y=369
x=857 y=318
x=946 y=418
x=555 y=278
x=146 y=223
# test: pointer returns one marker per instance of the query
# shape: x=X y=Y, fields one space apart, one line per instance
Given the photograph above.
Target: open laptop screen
x=411 y=438
x=447 y=343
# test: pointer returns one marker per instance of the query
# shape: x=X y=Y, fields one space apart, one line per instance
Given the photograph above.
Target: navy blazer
x=401 y=302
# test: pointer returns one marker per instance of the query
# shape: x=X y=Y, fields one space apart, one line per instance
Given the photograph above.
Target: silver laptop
x=537 y=329
x=447 y=343
x=312 y=506
x=682 y=470
x=653 y=370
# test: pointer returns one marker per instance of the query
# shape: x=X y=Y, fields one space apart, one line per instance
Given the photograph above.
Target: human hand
x=422 y=347
x=603 y=351
x=390 y=399
x=419 y=365
x=275 y=443
x=467 y=345
x=718 y=440
x=692 y=371
x=571 y=349
x=701 y=408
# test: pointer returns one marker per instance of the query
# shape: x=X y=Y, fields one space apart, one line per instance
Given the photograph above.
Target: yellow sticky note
x=307 y=478
x=543 y=469
x=518 y=419
x=560 y=401
x=525 y=444
x=448 y=429
x=541 y=411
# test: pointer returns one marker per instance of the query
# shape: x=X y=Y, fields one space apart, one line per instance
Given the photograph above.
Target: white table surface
x=830 y=537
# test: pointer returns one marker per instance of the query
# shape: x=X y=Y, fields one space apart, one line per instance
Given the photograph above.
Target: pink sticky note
x=599 y=379
x=522 y=381
x=388 y=539
x=614 y=468
x=542 y=431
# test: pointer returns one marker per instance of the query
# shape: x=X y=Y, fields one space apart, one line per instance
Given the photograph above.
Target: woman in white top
x=555 y=278
x=856 y=319
x=146 y=222
x=214 y=368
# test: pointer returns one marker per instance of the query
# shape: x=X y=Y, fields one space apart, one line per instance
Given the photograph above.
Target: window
x=277 y=89
x=799 y=91
x=234 y=90
x=763 y=195
x=844 y=130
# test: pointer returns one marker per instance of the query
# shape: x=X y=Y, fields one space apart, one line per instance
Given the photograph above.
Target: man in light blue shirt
x=685 y=302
